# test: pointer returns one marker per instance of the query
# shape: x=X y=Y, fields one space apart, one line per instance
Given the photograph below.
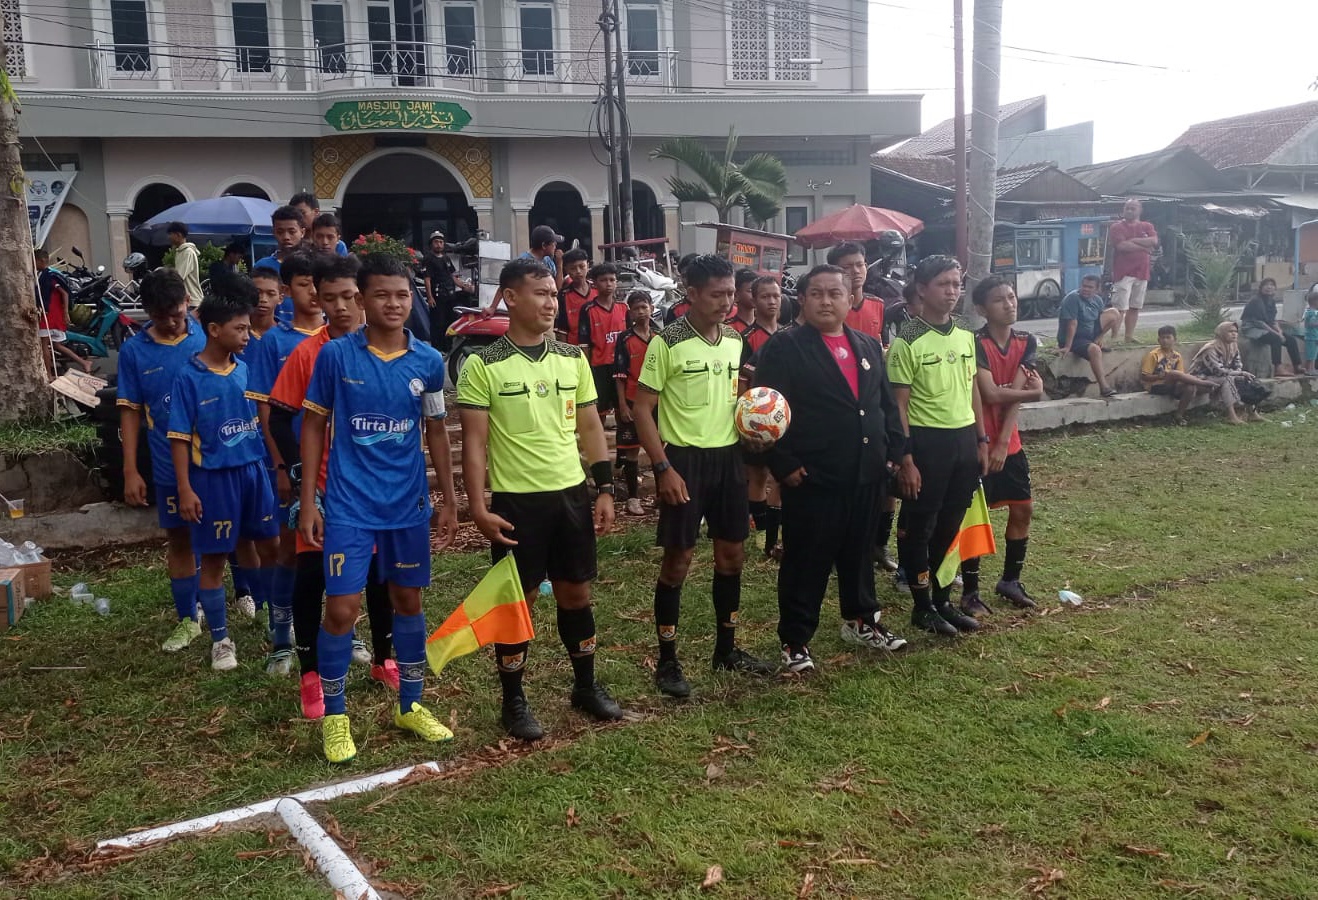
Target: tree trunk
x=26 y=394
x=986 y=58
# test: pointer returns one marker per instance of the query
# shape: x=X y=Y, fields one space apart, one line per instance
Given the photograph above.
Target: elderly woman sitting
x=1258 y=323
x=1218 y=361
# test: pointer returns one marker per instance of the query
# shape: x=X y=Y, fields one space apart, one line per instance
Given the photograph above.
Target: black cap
x=543 y=234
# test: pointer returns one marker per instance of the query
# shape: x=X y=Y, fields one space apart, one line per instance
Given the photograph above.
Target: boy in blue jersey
x=289 y=232
x=219 y=462
x=377 y=385
x=148 y=362
x=265 y=366
x=306 y=203
x=326 y=235
x=269 y=291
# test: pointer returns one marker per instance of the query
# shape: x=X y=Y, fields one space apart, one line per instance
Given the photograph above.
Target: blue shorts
x=235 y=503
x=166 y=482
x=273 y=475
x=404 y=556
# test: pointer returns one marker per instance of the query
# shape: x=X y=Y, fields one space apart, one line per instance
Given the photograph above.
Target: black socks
x=1015 y=559
x=667 y=606
x=576 y=628
x=727 y=601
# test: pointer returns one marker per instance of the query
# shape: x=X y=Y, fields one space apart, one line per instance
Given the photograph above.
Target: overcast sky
x=1190 y=62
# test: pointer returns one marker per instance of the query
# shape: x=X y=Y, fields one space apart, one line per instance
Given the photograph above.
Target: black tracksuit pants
x=825 y=530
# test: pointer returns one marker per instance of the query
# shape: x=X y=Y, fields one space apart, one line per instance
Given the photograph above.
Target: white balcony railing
x=372 y=64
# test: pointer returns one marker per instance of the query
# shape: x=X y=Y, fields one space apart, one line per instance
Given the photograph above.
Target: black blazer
x=841 y=440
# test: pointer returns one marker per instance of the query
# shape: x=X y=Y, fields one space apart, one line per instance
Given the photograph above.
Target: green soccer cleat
x=420 y=722
x=336 y=735
x=183 y=634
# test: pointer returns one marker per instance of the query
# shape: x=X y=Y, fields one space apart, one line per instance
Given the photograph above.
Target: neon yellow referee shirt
x=697 y=385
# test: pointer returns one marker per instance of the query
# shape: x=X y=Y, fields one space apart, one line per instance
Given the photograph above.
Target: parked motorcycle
x=97 y=324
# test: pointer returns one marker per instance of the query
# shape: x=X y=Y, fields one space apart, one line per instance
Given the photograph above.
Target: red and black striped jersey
x=1003 y=363
x=752 y=339
x=599 y=328
x=570 y=303
x=737 y=324
x=628 y=359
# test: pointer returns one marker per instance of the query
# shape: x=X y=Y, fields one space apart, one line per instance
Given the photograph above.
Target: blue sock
x=249 y=578
x=281 y=606
x=334 y=652
x=241 y=583
x=263 y=583
x=212 y=601
x=410 y=647
x=184 y=592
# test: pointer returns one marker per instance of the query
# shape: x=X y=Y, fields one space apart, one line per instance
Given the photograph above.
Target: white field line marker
x=340 y=871
x=342 y=874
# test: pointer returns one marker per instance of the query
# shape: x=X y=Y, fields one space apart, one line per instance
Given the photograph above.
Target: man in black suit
x=832 y=464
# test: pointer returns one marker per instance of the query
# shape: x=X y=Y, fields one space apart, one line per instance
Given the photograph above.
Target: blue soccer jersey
x=265 y=364
x=376 y=404
x=212 y=411
x=147 y=369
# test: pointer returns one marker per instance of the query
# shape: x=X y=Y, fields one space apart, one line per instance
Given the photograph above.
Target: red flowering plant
x=375 y=242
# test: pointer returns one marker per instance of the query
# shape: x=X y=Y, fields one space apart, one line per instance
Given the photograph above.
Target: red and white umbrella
x=857 y=223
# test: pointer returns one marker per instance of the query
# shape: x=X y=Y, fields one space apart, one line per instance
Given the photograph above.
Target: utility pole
x=22 y=372
x=986 y=58
x=624 y=132
x=959 y=117
x=610 y=126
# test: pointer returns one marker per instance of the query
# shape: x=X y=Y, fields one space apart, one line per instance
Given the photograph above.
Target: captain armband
x=432 y=405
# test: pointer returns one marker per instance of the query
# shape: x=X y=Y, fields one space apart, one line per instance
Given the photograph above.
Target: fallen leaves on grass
x=713 y=771
x=807 y=885
x=573 y=820
x=1104 y=703
x=1201 y=738
x=1146 y=851
x=1046 y=878
x=713 y=876
x=498 y=890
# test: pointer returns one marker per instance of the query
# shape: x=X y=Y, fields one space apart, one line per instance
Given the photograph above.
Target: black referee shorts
x=716 y=482
x=1011 y=485
x=948 y=460
x=555 y=535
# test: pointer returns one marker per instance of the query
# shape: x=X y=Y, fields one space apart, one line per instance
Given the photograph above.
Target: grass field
x=1159 y=741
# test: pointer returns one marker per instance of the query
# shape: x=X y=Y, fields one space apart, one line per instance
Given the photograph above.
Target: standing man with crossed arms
x=1130 y=246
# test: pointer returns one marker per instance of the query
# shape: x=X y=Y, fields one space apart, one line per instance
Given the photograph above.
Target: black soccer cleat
x=1016 y=594
x=595 y=702
x=973 y=605
x=738 y=660
x=956 y=618
x=519 y=721
x=884 y=561
x=668 y=678
x=929 y=620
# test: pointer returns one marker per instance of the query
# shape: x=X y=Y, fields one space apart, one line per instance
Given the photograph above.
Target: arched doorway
x=559 y=205
x=153 y=200
x=647 y=214
x=245 y=189
x=71 y=229
x=406 y=196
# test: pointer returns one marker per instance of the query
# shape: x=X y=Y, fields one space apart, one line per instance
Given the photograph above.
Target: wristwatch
x=606 y=489
x=984 y=439
x=661 y=467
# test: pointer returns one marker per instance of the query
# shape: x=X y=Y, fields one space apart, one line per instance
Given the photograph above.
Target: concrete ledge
x=91 y=526
x=1071 y=376
x=1047 y=415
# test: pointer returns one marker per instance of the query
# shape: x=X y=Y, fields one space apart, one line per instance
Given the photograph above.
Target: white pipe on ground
x=139 y=839
x=340 y=871
x=364 y=784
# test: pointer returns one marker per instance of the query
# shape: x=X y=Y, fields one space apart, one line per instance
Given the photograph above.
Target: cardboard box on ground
x=12 y=590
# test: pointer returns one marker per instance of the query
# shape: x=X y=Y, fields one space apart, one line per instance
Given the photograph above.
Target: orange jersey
x=291 y=386
x=868 y=318
x=599 y=329
x=569 y=313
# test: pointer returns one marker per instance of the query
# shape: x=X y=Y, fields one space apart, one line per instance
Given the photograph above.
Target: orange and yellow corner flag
x=974 y=539
x=495 y=611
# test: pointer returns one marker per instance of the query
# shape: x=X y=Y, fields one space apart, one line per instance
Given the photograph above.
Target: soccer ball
x=762 y=417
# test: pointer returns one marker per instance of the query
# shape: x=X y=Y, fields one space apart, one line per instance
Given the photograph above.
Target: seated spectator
x=1258 y=323
x=1163 y=372
x=1083 y=323
x=1218 y=361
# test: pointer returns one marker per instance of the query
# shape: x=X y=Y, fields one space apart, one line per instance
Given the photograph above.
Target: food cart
x=763 y=252
x=1047 y=258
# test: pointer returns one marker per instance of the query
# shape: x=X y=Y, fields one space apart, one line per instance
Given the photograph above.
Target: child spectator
x=602 y=320
x=1311 y=334
x=627 y=370
x=1163 y=372
x=576 y=293
x=223 y=489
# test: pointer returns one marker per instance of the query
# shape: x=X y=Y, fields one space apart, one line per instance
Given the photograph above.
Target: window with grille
x=251 y=37
x=642 y=41
x=764 y=36
x=132 y=36
x=328 y=33
x=15 y=52
x=460 y=39
x=537 y=32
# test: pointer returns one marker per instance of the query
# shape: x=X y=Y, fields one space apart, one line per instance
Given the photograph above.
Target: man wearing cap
x=442 y=285
x=544 y=249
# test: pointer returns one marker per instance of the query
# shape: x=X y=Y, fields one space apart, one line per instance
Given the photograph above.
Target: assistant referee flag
x=974 y=540
x=494 y=612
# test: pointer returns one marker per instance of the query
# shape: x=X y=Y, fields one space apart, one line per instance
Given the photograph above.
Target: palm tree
x=757 y=185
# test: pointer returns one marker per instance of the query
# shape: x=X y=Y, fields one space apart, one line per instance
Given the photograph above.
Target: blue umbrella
x=218 y=221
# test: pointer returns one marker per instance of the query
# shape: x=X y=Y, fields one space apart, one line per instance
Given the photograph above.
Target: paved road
x=1151 y=317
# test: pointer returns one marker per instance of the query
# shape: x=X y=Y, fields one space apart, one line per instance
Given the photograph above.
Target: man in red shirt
x=602 y=320
x=866 y=313
x=1130 y=246
x=1005 y=377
